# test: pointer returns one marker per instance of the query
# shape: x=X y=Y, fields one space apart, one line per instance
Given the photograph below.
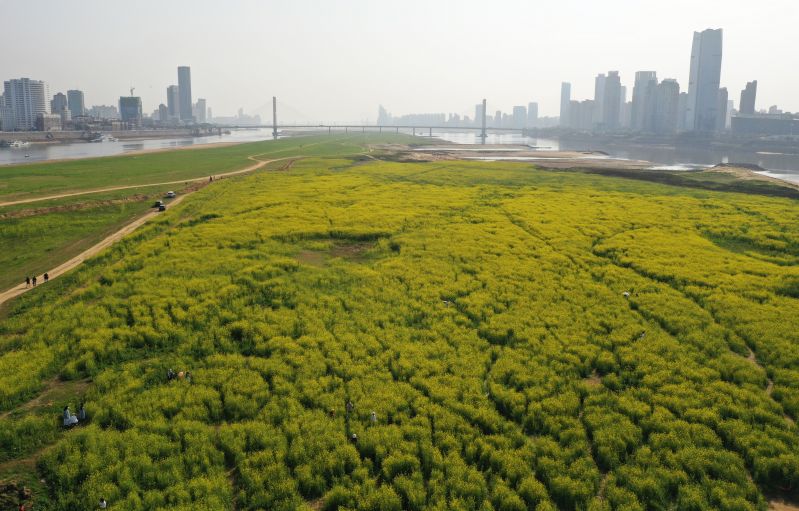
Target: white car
x=170 y=195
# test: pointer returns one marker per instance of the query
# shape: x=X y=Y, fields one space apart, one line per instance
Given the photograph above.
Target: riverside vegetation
x=528 y=339
x=43 y=233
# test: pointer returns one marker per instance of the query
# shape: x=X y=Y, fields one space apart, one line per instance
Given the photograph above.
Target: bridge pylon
x=274 y=117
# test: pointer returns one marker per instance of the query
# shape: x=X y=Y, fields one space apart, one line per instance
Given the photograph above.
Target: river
x=783 y=166
x=44 y=152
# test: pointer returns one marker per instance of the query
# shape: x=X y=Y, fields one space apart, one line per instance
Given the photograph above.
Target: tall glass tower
x=184 y=91
x=703 y=85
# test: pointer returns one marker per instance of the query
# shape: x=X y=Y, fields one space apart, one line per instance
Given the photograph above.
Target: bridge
x=483 y=129
x=374 y=127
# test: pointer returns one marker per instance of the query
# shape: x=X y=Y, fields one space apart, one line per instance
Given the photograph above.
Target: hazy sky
x=338 y=60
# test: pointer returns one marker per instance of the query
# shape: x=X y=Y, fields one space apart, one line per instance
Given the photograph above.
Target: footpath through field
x=255 y=166
x=127 y=229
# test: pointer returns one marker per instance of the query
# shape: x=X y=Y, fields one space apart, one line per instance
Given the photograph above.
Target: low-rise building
x=48 y=122
x=764 y=124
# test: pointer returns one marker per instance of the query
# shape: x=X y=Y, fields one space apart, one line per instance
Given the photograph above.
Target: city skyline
x=345 y=80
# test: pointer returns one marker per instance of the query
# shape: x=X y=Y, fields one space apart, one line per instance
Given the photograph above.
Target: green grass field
x=527 y=339
x=19 y=182
x=39 y=243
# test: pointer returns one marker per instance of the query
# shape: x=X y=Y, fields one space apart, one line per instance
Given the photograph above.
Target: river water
x=783 y=166
x=43 y=152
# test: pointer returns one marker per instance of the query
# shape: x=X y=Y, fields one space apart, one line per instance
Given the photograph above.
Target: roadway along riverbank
x=124 y=231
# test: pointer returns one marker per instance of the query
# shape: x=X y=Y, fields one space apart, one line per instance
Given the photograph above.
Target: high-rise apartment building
x=681 y=110
x=184 y=93
x=199 y=110
x=478 y=114
x=76 y=103
x=645 y=82
x=130 y=109
x=599 y=98
x=532 y=114
x=519 y=116
x=667 y=107
x=702 y=111
x=3 y=113
x=565 y=103
x=748 y=97
x=173 y=102
x=721 y=109
x=58 y=104
x=611 y=101
x=25 y=99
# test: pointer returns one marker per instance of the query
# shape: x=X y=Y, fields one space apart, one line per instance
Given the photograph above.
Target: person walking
x=27 y=281
x=34 y=281
x=46 y=277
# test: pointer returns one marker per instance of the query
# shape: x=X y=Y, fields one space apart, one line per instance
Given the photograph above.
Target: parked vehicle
x=158 y=203
x=162 y=208
x=170 y=194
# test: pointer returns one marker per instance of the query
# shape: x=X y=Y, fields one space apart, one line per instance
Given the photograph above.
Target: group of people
x=70 y=419
x=172 y=375
x=31 y=281
x=350 y=407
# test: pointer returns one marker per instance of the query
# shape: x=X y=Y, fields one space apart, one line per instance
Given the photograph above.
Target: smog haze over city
x=373 y=255
x=337 y=61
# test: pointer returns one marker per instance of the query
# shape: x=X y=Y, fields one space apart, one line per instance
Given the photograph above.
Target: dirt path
x=124 y=231
x=255 y=166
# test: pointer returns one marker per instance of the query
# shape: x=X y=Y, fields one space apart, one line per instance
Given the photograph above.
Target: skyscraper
x=721 y=109
x=748 y=96
x=599 y=98
x=25 y=100
x=611 y=101
x=478 y=114
x=75 y=103
x=641 y=90
x=519 y=116
x=703 y=86
x=172 y=102
x=184 y=86
x=163 y=113
x=565 y=100
x=532 y=114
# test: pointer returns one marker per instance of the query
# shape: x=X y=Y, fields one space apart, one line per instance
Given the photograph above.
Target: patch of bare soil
x=317 y=504
x=351 y=250
x=311 y=257
x=778 y=505
x=593 y=381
